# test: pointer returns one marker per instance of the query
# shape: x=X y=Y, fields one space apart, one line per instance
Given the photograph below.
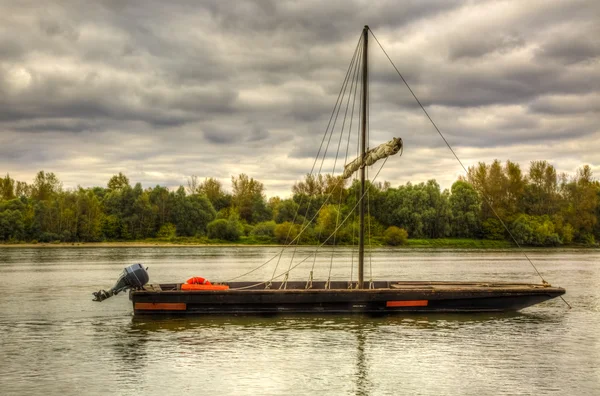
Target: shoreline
x=481 y=244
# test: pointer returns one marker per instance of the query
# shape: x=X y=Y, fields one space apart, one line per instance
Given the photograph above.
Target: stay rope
x=321 y=245
x=351 y=71
x=331 y=118
x=487 y=200
x=339 y=206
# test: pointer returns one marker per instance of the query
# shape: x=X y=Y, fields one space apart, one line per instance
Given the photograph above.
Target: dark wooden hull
x=383 y=298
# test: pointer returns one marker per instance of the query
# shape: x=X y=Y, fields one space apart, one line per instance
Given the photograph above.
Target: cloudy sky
x=162 y=90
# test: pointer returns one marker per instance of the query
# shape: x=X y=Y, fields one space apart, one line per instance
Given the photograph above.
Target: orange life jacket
x=197 y=280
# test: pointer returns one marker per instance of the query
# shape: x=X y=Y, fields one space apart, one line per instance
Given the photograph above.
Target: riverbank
x=445 y=243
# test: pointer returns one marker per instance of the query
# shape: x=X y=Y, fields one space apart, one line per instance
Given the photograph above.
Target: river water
x=55 y=341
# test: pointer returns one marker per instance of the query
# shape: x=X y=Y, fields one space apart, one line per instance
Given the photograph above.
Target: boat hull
x=383 y=298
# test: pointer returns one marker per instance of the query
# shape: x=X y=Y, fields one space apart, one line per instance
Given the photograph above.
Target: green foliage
x=12 y=227
x=7 y=188
x=286 y=232
x=248 y=198
x=422 y=209
x=465 y=207
x=190 y=214
x=45 y=186
x=264 y=229
x=458 y=243
x=395 y=236
x=118 y=182
x=263 y=232
x=566 y=233
x=589 y=240
x=493 y=229
x=213 y=190
x=227 y=230
x=539 y=206
x=328 y=221
x=535 y=231
x=286 y=210
x=111 y=227
x=167 y=231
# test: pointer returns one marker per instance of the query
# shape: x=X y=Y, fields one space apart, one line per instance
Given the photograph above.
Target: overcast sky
x=162 y=90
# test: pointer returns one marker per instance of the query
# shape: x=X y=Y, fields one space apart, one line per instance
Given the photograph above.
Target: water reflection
x=57 y=342
x=359 y=337
x=327 y=322
x=129 y=343
x=363 y=383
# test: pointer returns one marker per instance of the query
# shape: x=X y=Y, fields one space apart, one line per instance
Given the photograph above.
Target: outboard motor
x=133 y=277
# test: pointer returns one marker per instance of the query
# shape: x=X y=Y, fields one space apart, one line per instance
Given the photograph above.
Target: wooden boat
x=385 y=297
x=340 y=297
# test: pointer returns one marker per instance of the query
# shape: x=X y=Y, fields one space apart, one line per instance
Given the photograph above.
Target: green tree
x=465 y=206
x=167 y=231
x=395 y=236
x=286 y=232
x=264 y=231
x=228 y=230
x=7 y=188
x=89 y=216
x=144 y=215
x=161 y=206
x=287 y=210
x=118 y=205
x=312 y=185
x=580 y=203
x=327 y=222
x=249 y=200
x=213 y=189
x=422 y=209
x=45 y=186
x=12 y=224
x=535 y=230
x=118 y=182
x=191 y=214
x=541 y=192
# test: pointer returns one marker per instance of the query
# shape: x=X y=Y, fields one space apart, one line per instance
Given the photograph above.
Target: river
x=55 y=341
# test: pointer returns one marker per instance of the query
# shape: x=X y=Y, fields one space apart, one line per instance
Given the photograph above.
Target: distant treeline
x=540 y=208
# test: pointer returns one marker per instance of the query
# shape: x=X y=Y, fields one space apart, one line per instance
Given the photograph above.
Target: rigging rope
x=346 y=160
x=369 y=191
x=321 y=245
x=351 y=70
x=355 y=179
x=339 y=100
x=461 y=164
x=354 y=86
x=311 y=171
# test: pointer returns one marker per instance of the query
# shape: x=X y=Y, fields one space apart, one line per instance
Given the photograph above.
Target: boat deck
x=337 y=285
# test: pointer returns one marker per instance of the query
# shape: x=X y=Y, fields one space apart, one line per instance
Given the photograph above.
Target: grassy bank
x=459 y=243
x=250 y=241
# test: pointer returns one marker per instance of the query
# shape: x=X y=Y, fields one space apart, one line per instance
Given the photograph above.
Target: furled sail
x=373 y=155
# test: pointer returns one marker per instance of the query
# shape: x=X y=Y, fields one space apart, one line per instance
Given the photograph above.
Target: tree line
x=494 y=201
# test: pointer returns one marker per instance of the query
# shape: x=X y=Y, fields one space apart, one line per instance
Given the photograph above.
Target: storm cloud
x=165 y=90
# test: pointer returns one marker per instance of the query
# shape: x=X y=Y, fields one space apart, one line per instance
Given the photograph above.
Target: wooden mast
x=363 y=144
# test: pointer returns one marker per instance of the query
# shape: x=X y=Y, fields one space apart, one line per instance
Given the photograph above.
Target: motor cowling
x=133 y=277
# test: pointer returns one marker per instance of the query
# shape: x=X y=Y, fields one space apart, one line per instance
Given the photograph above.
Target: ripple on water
x=55 y=341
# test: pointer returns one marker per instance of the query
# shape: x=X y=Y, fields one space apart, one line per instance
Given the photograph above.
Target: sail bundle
x=373 y=155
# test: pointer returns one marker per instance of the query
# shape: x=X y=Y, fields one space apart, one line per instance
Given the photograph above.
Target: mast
x=363 y=144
